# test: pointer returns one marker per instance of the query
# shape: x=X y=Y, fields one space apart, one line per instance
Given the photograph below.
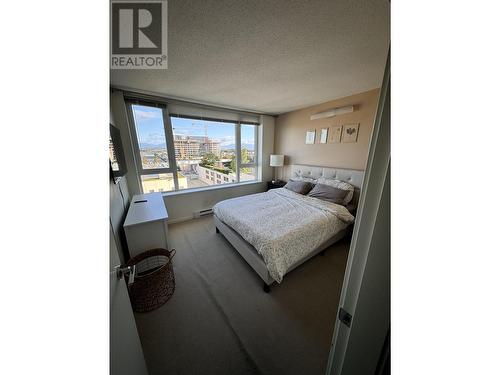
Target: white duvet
x=283 y=226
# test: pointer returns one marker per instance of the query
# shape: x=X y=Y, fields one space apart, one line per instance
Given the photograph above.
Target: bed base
x=255 y=261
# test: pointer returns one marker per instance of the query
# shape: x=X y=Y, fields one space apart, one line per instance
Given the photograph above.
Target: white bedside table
x=146 y=223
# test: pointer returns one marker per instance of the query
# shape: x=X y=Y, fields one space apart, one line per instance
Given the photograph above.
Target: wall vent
x=201 y=213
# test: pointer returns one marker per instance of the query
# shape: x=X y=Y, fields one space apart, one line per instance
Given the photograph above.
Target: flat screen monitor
x=116 y=155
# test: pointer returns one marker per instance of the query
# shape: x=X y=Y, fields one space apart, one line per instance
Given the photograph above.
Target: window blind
x=201 y=112
x=179 y=108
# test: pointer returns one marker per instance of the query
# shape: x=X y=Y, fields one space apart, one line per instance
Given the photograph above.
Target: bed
x=278 y=230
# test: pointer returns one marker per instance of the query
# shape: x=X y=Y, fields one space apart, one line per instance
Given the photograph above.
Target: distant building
x=187 y=149
x=192 y=147
x=212 y=146
x=154 y=183
x=213 y=177
x=154 y=159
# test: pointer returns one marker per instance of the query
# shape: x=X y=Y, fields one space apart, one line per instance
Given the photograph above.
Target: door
x=363 y=323
x=126 y=352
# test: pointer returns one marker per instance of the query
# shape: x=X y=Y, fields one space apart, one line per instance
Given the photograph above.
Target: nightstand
x=275 y=185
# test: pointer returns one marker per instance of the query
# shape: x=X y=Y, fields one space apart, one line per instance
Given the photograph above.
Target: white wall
x=266 y=147
x=182 y=206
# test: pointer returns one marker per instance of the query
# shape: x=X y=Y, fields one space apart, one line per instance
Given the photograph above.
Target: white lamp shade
x=277 y=160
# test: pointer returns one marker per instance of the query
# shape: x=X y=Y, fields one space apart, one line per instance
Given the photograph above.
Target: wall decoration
x=310 y=137
x=336 y=134
x=350 y=133
x=323 y=138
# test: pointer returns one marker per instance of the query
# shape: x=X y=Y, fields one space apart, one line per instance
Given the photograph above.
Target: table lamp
x=276 y=161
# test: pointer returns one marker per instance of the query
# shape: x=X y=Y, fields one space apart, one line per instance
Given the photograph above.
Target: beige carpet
x=219 y=321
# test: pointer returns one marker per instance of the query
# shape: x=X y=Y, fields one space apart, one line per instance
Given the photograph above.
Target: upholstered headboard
x=352 y=176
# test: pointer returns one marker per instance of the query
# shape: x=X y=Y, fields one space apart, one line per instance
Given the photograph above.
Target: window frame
x=255 y=162
x=167 y=128
x=170 y=144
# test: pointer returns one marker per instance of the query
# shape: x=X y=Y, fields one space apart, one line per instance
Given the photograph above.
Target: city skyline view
x=151 y=133
x=205 y=151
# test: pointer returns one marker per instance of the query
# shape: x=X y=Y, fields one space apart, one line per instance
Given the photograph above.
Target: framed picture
x=350 y=133
x=323 y=137
x=310 y=136
x=336 y=134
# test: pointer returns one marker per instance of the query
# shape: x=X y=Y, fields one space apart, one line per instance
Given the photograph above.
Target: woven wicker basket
x=154 y=281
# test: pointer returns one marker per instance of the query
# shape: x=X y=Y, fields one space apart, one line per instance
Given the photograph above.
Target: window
x=151 y=137
x=204 y=150
x=153 y=157
x=248 y=165
x=179 y=152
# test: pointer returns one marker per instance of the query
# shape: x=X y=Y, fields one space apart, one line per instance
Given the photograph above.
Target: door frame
x=369 y=254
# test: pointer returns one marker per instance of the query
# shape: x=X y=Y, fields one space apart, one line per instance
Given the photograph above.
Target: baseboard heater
x=208 y=211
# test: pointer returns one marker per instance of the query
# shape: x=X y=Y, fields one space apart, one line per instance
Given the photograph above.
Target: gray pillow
x=300 y=187
x=328 y=193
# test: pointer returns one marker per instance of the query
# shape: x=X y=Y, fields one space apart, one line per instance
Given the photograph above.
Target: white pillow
x=303 y=179
x=339 y=185
x=298 y=177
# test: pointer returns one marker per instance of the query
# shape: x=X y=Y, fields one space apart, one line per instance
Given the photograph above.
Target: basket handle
x=171 y=253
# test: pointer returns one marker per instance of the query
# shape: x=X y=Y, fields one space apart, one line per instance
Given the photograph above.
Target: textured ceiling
x=269 y=56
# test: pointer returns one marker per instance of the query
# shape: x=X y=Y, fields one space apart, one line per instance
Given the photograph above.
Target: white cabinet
x=146 y=223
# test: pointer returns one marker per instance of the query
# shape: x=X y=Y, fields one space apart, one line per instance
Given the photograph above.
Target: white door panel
x=126 y=351
x=365 y=299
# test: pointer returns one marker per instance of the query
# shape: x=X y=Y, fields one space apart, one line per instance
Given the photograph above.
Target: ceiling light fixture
x=333 y=112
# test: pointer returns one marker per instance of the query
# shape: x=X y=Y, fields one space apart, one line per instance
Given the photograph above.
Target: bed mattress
x=284 y=227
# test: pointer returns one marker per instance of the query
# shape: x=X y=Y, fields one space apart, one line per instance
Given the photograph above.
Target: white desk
x=146 y=223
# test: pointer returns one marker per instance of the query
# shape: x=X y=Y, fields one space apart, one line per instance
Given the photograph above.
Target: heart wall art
x=350 y=133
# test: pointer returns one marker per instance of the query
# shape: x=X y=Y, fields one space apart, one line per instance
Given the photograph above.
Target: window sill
x=210 y=188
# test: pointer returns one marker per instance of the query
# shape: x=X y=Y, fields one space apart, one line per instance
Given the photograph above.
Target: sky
x=149 y=125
